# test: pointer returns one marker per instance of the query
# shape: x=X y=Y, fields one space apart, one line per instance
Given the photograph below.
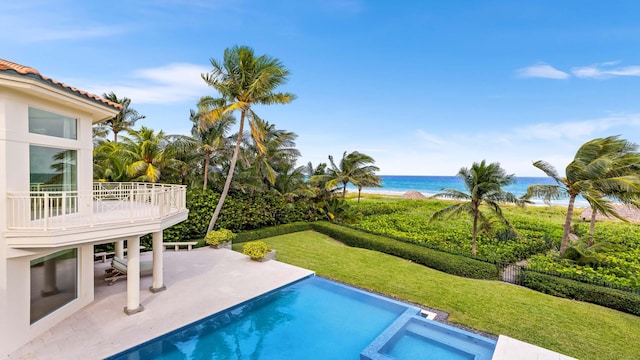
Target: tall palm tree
x=242 y=80
x=125 y=119
x=484 y=184
x=351 y=169
x=601 y=168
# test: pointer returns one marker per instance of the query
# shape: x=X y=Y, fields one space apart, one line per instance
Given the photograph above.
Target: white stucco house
x=52 y=214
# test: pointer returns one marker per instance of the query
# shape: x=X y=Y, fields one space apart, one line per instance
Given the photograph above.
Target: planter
x=224 y=245
x=271 y=255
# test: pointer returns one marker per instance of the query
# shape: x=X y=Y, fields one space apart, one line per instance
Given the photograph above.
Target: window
x=50 y=124
x=52 y=169
x=53 y=181
x=54 y=282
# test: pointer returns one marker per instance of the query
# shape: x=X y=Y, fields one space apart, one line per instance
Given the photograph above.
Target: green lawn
x=577 y=329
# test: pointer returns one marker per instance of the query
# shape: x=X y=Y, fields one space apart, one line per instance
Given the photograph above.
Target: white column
x=119 y=250
x=133 y=276
x=158 y=282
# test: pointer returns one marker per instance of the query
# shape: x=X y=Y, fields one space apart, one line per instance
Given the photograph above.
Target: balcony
x=130 y=207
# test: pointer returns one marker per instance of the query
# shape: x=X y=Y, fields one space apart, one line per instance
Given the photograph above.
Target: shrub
x=449 y=263
x=255 y=249
x=240 y=212
x=272 y=231
x=611 y=298
x=217 y=237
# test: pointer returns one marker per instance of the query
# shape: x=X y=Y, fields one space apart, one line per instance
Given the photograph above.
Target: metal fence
x=514 y=274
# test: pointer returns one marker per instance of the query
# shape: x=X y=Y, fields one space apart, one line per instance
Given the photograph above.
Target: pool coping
x=375 y=348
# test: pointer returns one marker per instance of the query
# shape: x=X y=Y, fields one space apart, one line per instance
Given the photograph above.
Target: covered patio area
x=199 y=283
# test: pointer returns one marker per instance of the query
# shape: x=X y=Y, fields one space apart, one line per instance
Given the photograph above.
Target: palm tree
x=279 y=153
x=290 y=182
x=367 y=179
x=484 y=185
x=242 y=80
x=208 y=141
x=351 y=169
x=147 y=154
x=601 y=168
x=125 y=119
x=109 y=163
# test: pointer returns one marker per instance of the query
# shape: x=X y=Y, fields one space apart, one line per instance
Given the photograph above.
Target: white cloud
x=541 y=71
x=429 y=140
x=171 y=83
x=575 y=129
x=514 y=148
x=605 y=70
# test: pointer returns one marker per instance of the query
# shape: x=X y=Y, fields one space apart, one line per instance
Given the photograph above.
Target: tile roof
x=9 y=66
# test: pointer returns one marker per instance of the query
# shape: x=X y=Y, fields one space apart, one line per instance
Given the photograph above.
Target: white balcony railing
x=108 y=203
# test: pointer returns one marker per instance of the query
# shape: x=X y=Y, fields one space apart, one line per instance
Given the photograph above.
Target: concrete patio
x=199 y=283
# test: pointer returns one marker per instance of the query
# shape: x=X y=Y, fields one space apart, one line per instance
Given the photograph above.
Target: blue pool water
x=311 y=319
x=431 y=340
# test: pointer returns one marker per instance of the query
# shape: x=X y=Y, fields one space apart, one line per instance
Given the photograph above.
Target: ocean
x=430 y=185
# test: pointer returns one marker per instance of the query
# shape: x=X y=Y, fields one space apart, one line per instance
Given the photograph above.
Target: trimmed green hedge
x=611 y=298
x=271 y=231
x=449 y=263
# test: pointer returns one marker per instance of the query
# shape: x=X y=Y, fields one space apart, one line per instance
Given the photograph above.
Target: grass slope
x=577 y=329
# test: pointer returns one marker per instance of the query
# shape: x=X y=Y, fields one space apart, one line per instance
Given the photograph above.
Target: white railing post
x=46 y=210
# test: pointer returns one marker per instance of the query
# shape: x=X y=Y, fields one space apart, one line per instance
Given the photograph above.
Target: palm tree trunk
x=567 y=225
x=344 y=190
x=592 y=226
x=115 y=136
x=359 y=191
x=232 y=167
x=474 y=235
x=206 y=172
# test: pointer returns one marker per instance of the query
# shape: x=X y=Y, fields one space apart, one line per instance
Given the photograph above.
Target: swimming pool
x=311 y=319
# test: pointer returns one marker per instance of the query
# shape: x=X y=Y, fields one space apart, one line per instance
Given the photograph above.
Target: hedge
x=240 y=212
x=449 y=263
x=272 y=231
x=611 y=298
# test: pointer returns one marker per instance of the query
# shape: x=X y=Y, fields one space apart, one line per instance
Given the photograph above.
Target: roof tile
x=29 y=71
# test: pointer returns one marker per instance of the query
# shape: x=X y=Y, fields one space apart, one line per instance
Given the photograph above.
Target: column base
x=134 y=311
x=156 y=290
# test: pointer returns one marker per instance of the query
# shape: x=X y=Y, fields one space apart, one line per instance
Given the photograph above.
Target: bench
x=103 y=254
x=176 y=245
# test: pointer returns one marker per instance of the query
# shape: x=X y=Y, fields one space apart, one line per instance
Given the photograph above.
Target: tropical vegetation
x=484 y=184
x=242 y=80
x=562 y=325
x=602 y=169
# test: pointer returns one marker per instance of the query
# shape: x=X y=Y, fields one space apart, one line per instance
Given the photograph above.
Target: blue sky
x=424 y=87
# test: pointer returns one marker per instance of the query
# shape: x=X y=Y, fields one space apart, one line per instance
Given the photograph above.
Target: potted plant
x=220 y=239
x=258 y=251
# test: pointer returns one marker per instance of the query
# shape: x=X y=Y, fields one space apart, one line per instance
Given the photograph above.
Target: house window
x=54 y=282
x=52 y=169
x=50 y=124
x=53 y=182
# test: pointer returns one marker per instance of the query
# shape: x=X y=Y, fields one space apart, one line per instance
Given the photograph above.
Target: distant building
x=52 y=214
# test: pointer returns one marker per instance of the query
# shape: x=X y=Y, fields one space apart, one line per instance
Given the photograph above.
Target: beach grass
x=577 y=329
